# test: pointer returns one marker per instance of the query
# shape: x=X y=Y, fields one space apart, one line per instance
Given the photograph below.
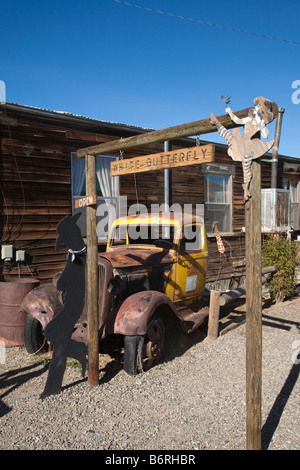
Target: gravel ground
x=194 y=400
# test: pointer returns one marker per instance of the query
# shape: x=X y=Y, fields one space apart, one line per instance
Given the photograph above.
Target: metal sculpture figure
x=245 y=148
x=221 y=247
x=60 y=328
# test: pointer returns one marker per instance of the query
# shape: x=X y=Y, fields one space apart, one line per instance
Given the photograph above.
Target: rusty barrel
x=12 y=321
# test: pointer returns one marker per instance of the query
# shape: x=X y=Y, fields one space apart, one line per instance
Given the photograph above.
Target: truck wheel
x=34 y=338
x=142 y=353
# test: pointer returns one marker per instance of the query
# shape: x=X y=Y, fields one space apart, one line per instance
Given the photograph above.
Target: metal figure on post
x=246 y=148
x=60 y=328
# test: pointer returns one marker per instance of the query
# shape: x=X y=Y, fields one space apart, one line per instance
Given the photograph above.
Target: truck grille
x=105 y=274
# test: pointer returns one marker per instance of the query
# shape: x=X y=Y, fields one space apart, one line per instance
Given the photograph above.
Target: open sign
x=85 y=201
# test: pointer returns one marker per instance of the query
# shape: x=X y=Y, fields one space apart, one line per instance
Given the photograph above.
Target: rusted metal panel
x=127 y=256
x=131 y=317
x=191 y=320
x=42 y=303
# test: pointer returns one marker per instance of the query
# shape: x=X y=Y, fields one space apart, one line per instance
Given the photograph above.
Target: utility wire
x=205 y=22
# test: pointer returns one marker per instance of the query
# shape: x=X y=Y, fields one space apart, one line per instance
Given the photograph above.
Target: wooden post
x=92 y=274
x=214 y=310
x=253 y=312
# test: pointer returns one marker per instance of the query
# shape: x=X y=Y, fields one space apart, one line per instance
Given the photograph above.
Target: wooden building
x=41 y=178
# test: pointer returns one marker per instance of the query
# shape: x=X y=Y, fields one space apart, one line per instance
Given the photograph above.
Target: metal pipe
x=167 y=180
x=274 y=160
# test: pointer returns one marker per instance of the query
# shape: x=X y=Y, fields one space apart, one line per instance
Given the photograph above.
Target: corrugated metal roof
x=70 y=115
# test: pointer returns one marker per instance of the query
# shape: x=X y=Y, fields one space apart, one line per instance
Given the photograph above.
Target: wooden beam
x=92 y=274
x=253 y=312
x=214 y=314
x=203 y=126
x=231 y=295
x=234 y=294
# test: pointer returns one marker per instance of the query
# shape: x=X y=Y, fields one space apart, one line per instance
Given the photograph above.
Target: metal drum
x=12 y=321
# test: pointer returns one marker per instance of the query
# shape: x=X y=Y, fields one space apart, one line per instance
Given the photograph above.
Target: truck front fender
x=132 y=316
x=42 y=303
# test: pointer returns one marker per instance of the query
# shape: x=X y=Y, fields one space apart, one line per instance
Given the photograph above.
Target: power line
x=205 y=22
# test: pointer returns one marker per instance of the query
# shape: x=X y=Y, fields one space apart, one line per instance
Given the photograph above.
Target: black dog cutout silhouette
x=72 y=282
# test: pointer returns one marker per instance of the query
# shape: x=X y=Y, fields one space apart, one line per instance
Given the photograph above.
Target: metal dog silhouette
x=72 y=282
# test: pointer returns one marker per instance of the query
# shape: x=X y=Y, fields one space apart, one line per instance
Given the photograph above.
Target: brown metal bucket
x=12 y=321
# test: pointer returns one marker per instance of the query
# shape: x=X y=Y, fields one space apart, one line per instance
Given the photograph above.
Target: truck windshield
x=143 y=234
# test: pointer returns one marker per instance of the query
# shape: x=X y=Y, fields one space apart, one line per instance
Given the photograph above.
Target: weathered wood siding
x=35 y=179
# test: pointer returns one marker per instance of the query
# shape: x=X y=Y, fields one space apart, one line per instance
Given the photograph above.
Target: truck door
x=191 y=265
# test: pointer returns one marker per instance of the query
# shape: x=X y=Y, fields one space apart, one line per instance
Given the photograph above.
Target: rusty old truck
x=153 y=269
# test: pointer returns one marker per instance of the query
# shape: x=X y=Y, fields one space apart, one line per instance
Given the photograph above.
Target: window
x=275 y=209
x=291 y=176
x=218 y=197
x=107 y=193
x=294 y=203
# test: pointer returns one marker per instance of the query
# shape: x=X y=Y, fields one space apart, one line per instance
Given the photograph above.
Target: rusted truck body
x=153 y=269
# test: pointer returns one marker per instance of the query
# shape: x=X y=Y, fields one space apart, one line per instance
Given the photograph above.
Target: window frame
x=99 y=198
x=294 y=204
x=222 y=170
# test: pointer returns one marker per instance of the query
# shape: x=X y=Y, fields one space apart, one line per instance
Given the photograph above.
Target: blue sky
x=119 y=63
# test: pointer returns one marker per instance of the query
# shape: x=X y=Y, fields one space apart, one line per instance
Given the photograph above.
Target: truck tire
x=143 y=352
x=34 y=338
x=131 y=348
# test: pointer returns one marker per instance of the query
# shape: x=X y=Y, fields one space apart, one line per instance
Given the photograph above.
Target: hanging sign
x=86 y=201
x=161 y=161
